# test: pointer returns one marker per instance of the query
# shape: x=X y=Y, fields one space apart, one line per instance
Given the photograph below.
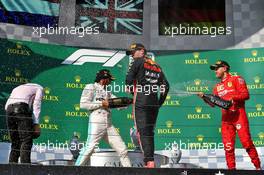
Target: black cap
x=103 y=74
x=219 y=63
x=134 y=47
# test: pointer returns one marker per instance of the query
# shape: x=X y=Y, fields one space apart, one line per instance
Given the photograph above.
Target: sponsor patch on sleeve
x=241 y=81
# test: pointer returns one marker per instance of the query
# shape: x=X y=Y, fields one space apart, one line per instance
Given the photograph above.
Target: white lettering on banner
x=109 y=57
x=81 y=56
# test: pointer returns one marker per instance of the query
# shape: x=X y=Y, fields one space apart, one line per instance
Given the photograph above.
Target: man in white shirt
x=22 y=111
x=95 y=99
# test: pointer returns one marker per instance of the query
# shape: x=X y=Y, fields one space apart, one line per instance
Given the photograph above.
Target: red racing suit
x=235 y=119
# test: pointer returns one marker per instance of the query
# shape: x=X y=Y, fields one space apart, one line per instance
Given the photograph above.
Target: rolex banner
x=184 y=118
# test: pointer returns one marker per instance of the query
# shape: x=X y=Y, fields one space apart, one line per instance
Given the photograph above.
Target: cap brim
x=213 y=67
x=128 y=52
x=111 y=77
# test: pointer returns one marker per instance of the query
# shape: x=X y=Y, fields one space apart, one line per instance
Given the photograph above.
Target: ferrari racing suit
x=235 y=119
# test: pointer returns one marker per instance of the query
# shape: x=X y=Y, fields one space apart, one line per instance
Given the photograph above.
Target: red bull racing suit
x=147 y=78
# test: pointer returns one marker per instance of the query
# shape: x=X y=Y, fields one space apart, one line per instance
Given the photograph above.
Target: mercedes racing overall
x=235 y=119
x=100 y=125
x=146 y=75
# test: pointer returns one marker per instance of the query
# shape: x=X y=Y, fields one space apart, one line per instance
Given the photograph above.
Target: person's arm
x=164 y=88
x=241 y=93
x=37 y=105
x=201 y=95
x=36 y=112
x=214 y=93
x=87 y=97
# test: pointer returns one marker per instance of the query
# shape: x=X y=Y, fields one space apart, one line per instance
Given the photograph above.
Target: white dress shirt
x=29 y=93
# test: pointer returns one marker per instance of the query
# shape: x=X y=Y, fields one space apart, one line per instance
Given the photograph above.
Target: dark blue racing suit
x=146 y=81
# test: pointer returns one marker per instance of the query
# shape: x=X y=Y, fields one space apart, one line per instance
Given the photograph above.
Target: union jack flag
x=111 y=16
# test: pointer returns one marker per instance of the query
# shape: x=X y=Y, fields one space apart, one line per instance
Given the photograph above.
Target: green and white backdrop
x=64 y=71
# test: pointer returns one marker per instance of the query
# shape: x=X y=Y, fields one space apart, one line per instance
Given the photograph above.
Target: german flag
x=191 y=13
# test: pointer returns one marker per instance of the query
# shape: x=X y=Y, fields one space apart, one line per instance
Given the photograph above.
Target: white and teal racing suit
x=100 y=125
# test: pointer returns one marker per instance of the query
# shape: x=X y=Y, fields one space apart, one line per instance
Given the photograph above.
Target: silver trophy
x=175 y=154
x=134 y=138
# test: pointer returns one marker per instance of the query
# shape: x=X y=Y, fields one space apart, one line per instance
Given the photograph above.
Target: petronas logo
x=168 y=97
x=200 y=138
x=254 y=53
x=169 y=124
x=77 y=79
x=259 y=107
x=198 y=109
x=46 y=119
x=197 y=82
x=196 y=55
x=261 y=135
x=47 y=90
x=257 y=79
x=77 y=107
x=17 y=73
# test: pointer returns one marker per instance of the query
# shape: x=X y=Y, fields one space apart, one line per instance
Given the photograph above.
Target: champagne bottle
x=216 y=100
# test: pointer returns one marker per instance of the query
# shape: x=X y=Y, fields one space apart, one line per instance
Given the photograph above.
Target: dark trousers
x=20 y=128
x=145 y=123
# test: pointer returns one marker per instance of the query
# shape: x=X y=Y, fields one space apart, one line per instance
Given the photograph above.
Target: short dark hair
x=135 y=46
x=103 y=74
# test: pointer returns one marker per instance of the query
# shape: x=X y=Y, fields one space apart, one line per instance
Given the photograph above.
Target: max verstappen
x=148 y=80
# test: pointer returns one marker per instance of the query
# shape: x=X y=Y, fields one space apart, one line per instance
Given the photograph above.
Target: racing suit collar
x=99 y=85
x=228 y=75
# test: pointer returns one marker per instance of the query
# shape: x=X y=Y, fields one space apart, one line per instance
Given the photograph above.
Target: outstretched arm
x=201 y=95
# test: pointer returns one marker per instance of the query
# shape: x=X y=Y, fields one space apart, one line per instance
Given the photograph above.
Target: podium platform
x=109 y=158
x=12 y=169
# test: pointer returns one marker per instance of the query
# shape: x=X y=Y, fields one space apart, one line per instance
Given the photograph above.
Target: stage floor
x=12 y=169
